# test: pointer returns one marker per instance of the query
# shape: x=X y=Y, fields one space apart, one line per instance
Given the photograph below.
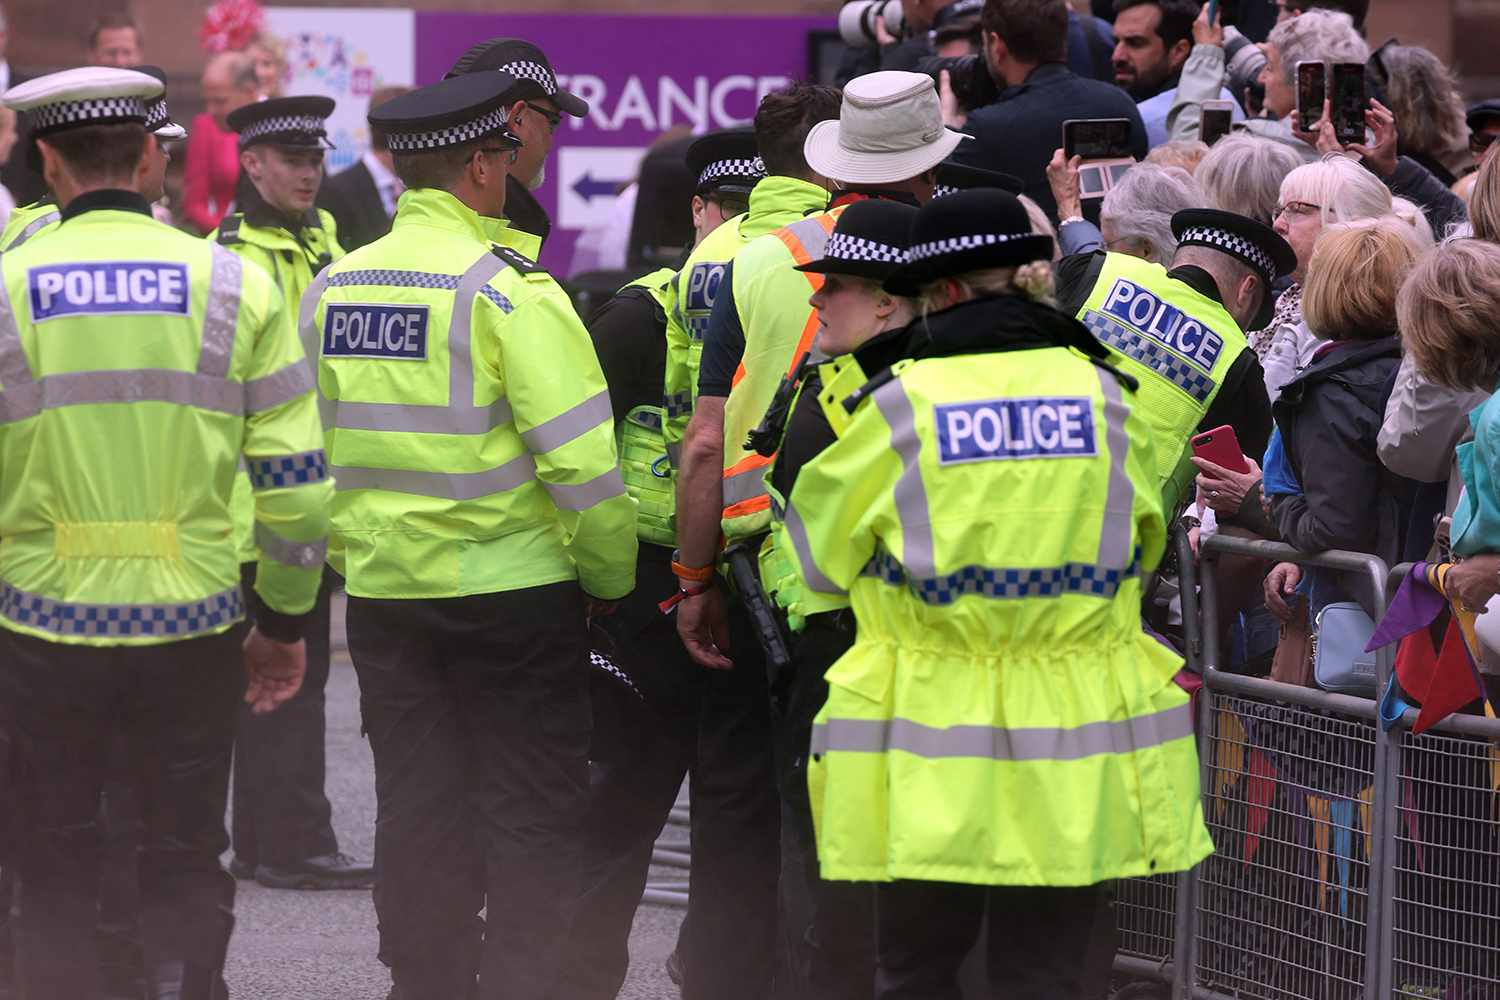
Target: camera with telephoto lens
x=967 y=75
x=857 y=21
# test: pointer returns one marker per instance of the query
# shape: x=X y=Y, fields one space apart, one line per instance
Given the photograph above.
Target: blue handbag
x=1340 y=663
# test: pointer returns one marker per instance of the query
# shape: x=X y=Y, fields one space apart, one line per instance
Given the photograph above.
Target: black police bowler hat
x=284 y=121
x=1484 y=111
x=871 y=240
x=449 y=113
x=955 y=177
x=1248 y=240
x=725 y=160
x=968 y=231
x=528 y=64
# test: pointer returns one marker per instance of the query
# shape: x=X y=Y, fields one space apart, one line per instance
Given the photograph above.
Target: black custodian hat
x=533 y=75
x=955 y=177
x=968 y=231
x=452 y=112
x=725 y=161
x=1247 y=240
x=284 y=121
x=871 y=240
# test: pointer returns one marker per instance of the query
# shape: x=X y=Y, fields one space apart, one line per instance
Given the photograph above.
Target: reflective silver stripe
x=33 y=227
x=743 y=486
x=143 y=385
x=797 y=532
x=459 y=415
x=997 y=743
x=910 y=493
x=281 y=386
x=811 y=234
x=582 y=496
x=14 y=369
x=221 y=314
x=440 y=485
x=1116 y=533
x=307 y=320
x=66 y=618
x=302 y=555
x=569 y=425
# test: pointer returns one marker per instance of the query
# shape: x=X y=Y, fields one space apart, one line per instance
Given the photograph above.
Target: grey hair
x=1141 y=206
x=239 y=67
x=1243 y=174
x=1424 y=97
x=1317 y=35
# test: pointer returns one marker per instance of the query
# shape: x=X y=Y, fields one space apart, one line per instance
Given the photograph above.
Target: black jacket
x=353 y=200
x=524 y=211
x=1330 y=417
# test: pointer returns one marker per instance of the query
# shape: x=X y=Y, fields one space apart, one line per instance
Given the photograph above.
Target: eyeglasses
x=514 y=153
x=1300 y=208
x=554 y=118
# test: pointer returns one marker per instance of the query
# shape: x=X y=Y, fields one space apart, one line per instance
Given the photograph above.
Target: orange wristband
x=702 y=574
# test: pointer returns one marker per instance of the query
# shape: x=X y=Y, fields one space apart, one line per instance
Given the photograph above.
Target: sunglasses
x=554 y=118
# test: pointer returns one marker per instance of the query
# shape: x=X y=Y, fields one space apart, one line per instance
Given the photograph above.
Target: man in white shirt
x=1152 y=41
x=363 y=198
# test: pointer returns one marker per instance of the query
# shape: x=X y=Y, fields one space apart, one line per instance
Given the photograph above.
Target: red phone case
x=1221 y=447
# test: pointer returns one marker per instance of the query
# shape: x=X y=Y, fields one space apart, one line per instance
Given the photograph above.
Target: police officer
x=42 y=216
x=168 y=360
x=481 y=520
x=1179 y=331
x=990 y=511
x=646 y=732
x=282 y=825
x=534 y=109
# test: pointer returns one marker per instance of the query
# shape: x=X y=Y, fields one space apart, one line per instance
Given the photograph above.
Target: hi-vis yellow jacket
x=137 y=366
x=468 y=419
x=27 y=221
x=1001 y=718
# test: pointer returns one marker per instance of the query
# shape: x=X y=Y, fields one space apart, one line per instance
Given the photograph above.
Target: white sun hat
x=890 y=128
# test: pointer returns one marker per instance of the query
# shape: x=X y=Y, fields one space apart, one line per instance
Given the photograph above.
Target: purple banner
x=642 y=76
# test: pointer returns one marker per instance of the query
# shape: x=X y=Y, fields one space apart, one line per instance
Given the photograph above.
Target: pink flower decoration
x=230 y=25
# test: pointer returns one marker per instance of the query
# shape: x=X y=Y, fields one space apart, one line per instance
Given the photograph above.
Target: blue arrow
x=587 y=188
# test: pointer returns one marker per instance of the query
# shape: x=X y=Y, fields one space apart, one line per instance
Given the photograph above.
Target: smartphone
x=1312 y=91
x=1213 y=15
x=1097 y=138
x=1349 y=102
x=1221 y=447
x=1214 y=120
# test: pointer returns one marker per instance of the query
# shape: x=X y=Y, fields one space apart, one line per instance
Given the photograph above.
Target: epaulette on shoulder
x=517 y=260
x=864 y=392
x=229 y=230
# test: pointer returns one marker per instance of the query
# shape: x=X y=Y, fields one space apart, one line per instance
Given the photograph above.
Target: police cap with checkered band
x=955 y=177
x=452 y=112
x=870 y=240
x=89 y=95
x=1251 y=242
x=284 y=121
x=528 y=65
x=158 y=119
x=968 y=231
x=725 y=161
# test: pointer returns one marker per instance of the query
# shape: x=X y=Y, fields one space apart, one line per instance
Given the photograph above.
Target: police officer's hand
x=276 y=670
x=703 y=626
x=1281 y=584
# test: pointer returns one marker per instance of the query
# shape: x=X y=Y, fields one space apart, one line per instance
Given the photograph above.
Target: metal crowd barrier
x=1350 y=861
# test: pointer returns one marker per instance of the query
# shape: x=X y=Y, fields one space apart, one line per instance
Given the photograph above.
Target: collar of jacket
x=1351 y=354
x=106 y=199
x=1000 y=323
x=525 y=214
x=259 y=213
x=874 y=194
x=1041 y=76
x=1198 y=280
x=437 y=209
x=504 y=233
x=785 y=196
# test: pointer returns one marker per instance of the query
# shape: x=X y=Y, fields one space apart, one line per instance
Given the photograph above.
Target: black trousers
x=477 y=711
x=281 y=815
x=174 y=705
x=643 y=745
x=828 y=928
x=1042 y=943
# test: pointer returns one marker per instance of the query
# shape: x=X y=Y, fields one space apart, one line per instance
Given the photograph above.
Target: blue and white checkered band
x=279 y=124
x=958 y=244
x=524 y=69
x=83 y=112
x=454 y=135
x=1233 y=244
x=740 y=169
x=842 y=246
x=157 y=114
